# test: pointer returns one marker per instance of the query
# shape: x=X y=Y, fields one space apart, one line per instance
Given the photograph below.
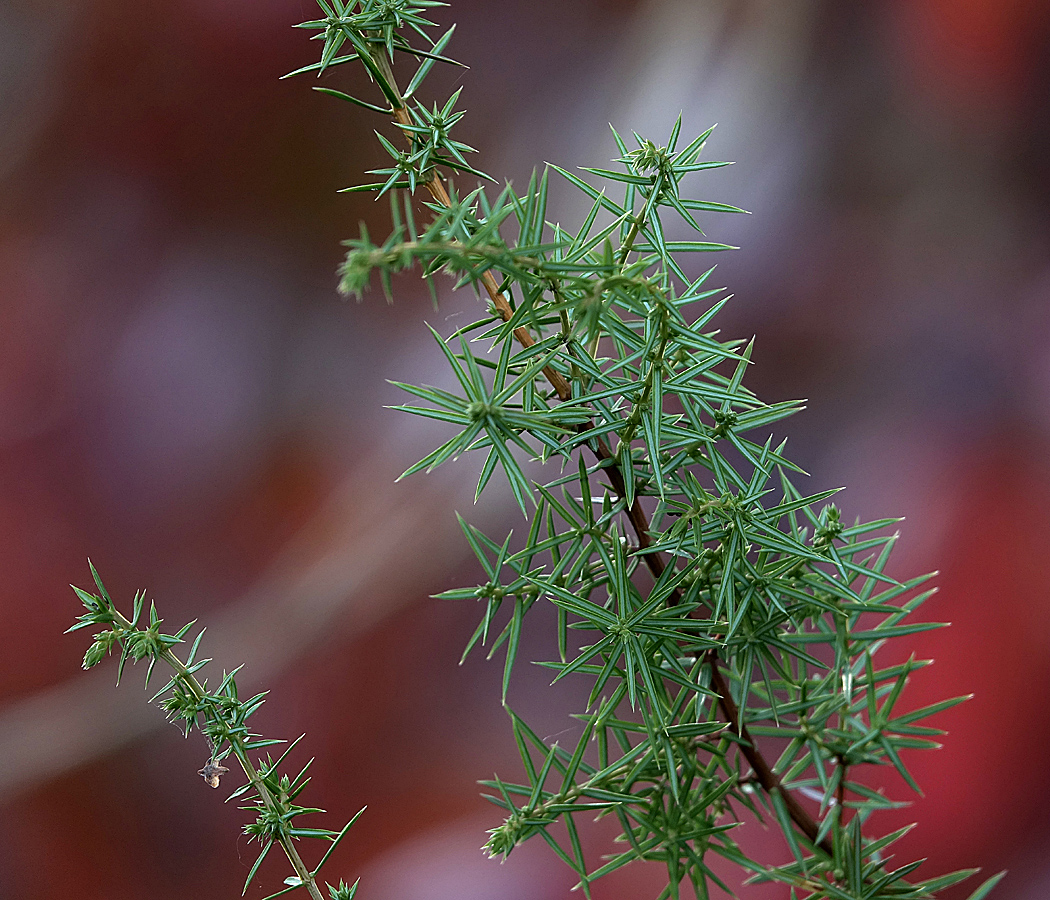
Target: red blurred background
x=184 y=398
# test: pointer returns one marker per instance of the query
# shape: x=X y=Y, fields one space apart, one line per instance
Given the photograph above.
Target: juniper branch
x=635 y=513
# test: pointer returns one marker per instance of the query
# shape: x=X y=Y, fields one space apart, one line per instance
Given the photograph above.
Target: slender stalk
x=628 y=244
x=764 y=773
x=840 y=791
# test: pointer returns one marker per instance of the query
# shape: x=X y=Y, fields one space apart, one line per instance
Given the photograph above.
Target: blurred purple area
x=185 y=399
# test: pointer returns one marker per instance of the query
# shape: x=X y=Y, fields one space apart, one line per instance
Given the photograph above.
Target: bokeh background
x=184 y=398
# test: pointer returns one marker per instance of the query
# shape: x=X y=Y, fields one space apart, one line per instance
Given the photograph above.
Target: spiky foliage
x=711 y=604
x=715 y=610
x=222 y=717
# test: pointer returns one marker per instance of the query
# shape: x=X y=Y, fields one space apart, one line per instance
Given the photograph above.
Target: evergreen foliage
x=715 y=609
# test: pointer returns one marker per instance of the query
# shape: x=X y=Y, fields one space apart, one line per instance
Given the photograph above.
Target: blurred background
x=184 y=399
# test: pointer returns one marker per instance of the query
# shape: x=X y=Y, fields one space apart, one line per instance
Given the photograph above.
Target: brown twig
x=765 y=775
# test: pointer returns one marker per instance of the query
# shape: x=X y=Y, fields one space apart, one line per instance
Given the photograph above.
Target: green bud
x=95 y=652
x=503 y=839
x=355 y=273
x=344 y=891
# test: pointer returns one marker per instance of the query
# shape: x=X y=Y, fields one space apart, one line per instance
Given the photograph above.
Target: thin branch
x=187 y=679
x=764 y=774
